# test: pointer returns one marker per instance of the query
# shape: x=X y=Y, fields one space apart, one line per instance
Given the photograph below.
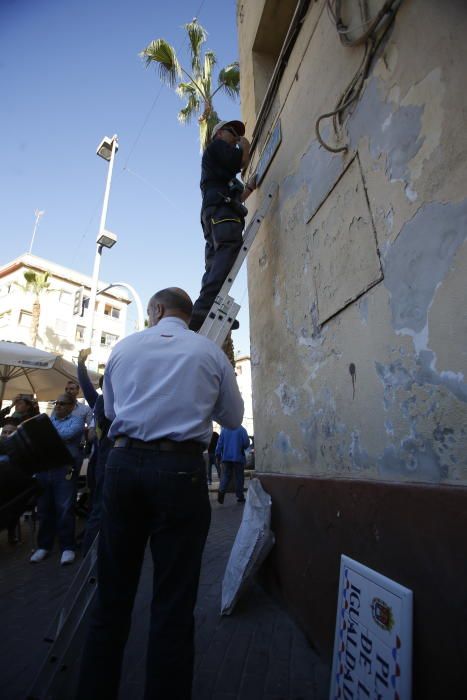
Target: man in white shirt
x=163 y=387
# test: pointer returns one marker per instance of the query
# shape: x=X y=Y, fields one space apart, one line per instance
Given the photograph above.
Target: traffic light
x=78 y=302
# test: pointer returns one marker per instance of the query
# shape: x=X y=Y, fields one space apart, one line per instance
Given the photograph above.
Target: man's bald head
x=172 y=301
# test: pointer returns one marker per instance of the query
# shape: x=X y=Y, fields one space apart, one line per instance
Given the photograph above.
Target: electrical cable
x=371 y=22
x=150 y=184
x=379 y=25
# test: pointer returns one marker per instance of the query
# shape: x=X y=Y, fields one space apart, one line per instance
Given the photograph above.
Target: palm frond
x=229 y=80
x=191 y=110
x=36 y=282
x=207 y=122
x=209 y=61
x=160 y=52
x=197 y=35
x=186 y=89
x=205 y=84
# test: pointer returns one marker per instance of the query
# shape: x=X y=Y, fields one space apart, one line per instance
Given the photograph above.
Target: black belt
x=162 y=445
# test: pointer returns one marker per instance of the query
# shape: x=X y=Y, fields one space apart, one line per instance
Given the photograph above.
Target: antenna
x=37 y=213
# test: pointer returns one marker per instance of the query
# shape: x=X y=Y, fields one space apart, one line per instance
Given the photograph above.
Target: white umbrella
x=26 y=370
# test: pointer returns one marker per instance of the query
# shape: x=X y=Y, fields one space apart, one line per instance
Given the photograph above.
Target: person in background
x=82 y=410
x=102 y=446
x=9 y=428
x=212 y=461
x=231 y=451
x=56 y=503
x=25 y=406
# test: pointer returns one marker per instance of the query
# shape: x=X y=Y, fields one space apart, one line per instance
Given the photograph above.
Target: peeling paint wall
x=357 y=278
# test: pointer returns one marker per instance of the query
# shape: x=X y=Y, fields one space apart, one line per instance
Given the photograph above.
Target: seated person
x=25 y=406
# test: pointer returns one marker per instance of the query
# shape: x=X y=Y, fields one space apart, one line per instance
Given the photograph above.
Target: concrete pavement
x=255 y=654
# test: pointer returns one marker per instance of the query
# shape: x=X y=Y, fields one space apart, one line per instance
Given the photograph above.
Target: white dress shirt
x=169 y=382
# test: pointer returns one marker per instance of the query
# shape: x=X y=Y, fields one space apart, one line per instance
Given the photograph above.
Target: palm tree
x=197 y=88
x=37 y=283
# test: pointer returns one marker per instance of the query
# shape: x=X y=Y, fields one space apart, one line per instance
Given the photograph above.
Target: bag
x=236 y=206
x=253 y=543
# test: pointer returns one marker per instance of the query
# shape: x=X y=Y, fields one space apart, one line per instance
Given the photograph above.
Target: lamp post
x=105 y=239
x=136 y=297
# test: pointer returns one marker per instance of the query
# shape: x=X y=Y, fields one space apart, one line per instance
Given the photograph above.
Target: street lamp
x=105 y=239
x=136 y=297
x=105 y=148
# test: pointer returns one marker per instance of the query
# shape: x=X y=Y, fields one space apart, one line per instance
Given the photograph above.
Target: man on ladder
x=222 y=211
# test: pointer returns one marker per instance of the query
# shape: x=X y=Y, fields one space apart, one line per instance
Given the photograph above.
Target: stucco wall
x=357 y=277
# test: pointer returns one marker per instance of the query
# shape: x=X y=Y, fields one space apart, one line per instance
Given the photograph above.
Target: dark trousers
x=223 y=237
x=212 y=462
x=55 y=509
x=238 y=470
x=93 y=522
x=160 y=496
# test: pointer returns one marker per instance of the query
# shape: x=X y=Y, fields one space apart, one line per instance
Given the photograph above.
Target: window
x=65 y=298
x=111 y=311
x=272 y=30
x=5 y=319
x=79 y=335
x=61 y=326
x=108 y=339
x=25 y=319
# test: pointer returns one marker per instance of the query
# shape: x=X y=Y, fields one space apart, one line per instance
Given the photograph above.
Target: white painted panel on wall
x=343 y=245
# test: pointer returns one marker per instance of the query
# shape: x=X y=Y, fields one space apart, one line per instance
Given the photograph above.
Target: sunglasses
x=63 y=403
x=231 y=131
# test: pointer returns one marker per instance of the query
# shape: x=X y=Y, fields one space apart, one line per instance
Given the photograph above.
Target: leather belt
x=162 y=445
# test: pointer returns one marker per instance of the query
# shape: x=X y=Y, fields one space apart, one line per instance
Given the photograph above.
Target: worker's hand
x=83 y=355
x=244 y=143
x=251 y=184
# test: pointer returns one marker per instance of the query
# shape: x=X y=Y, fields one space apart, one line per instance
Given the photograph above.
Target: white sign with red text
x=373 y=640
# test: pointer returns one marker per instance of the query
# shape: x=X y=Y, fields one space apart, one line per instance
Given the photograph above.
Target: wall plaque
x=373 y=639
x=269 y=152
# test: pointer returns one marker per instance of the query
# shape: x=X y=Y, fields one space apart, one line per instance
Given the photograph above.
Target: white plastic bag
x=253 y=543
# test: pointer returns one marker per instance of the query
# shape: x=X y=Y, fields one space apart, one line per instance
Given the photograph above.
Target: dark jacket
x=220 y=163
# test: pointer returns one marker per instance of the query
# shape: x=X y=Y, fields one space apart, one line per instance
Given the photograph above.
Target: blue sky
x=70 y=74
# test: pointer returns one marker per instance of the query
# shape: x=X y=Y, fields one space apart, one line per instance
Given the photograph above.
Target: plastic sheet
x=253 y=543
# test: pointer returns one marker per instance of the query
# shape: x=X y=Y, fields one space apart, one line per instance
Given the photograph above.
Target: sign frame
x=373 y=637
x=268 y=152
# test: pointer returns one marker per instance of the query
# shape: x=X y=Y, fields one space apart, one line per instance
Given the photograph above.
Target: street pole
x=136 y=297
x=97 y=259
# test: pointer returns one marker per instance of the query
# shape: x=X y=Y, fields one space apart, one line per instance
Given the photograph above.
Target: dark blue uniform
x=222 y=226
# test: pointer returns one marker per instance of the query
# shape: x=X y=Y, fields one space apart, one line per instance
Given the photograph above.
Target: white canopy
x=26 y=370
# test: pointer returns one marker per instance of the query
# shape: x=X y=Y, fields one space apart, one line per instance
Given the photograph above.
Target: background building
x=357 y=285
x=243 y=372
x=60 y=329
